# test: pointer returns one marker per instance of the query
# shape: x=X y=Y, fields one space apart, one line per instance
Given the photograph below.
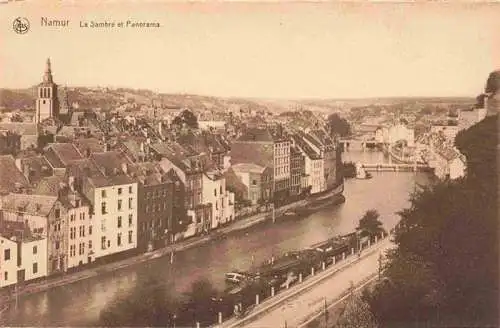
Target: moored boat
x=236 y=277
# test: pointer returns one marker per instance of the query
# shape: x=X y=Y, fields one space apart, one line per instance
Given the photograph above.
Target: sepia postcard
x=249 y=164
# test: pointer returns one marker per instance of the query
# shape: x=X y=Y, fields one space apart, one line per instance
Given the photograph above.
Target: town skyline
x=290 y=51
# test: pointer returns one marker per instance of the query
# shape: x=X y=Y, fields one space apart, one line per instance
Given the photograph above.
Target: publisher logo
x=21 y=25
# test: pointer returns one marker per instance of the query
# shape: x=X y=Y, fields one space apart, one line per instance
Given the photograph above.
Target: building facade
x=115 y=218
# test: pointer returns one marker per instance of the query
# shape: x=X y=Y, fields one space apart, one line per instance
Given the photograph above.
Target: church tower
x=47 y=103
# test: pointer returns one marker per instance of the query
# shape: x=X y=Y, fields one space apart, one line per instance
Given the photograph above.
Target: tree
x=186 y=117
x=201 y=304
x=356 y=314
x=148 y=304
x=349 y=170
x=339 y=125
x=370 y=225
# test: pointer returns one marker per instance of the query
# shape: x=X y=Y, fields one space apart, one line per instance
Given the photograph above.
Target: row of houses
x=79 y=206
x=279 y=163
x=438 y=149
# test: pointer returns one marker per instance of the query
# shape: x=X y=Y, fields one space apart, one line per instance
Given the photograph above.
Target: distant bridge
x=394 y=167
x=347 y=142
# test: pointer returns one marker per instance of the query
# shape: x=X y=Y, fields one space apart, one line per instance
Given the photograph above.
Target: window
x=254 y=182
x=90 y=244
x=35 y=268
x=130 y=237
x=77 y=203
x=57 y=244
x=215 y=192
x=83 y=231
x=109 y=243
x=130 y=189
x=90 y=230
x=6 y=276
x=6 y=254
x=103 y=225
x=103 y=242
x=119 y=239
x=72 y=218
x=119 y=204
x=35 y=250
x=130 y=203
x=119 y=191
x=58 y=213
x=103 y=193
x=119 y=222
x=103 y=208
x=130 y=220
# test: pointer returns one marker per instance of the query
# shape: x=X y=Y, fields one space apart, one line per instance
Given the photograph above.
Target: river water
x=79 y=304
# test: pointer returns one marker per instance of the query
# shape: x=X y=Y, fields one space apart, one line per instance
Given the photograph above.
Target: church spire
x=47 y=77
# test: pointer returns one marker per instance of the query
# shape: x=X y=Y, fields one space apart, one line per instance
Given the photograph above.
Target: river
x=79 y=304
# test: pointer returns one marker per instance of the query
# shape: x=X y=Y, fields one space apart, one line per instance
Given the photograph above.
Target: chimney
x=71 y=183
x=19 y=164
x=124 y=168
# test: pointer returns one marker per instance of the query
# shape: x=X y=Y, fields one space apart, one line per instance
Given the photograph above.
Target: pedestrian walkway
x=293 y=307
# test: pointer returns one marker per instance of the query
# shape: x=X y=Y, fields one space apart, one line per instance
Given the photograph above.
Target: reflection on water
x=81 y=302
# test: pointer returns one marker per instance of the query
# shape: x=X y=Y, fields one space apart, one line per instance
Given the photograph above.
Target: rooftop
x=20 y=128
x=10 y=176
x=261 y=154
x=39 y=205
x=61 y=154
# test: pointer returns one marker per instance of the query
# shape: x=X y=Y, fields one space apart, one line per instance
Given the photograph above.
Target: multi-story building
x=23 y=254
x=115 y=205
x=251 y=176
x=8 y=261
x=221 y=200
x=314 y=168
x=282 y=173
x=297 y=170
x=326 y=146
x=45 y=216
x=261 y=147
x=79 y=239
x=155 y=205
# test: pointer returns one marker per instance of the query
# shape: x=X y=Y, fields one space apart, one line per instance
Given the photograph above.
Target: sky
x=287 y=50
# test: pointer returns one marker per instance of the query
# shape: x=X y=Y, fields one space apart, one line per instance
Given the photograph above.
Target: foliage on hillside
x=12 y=99
x=445 y=269
x=186 y=117
x=339 y=125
